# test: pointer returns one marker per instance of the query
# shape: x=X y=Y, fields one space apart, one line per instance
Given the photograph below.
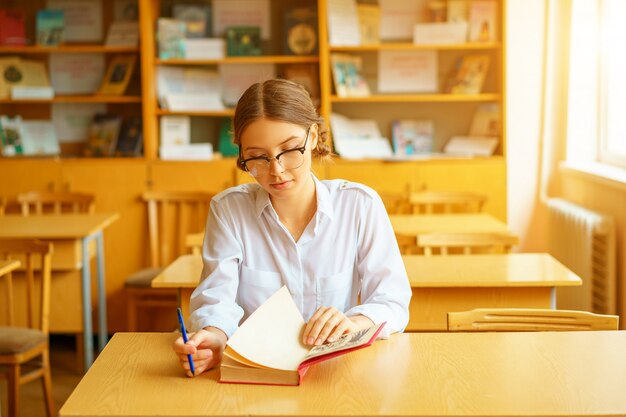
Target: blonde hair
x=280 y=100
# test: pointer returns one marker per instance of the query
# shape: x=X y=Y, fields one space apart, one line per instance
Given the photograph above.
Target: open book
x=267 y=347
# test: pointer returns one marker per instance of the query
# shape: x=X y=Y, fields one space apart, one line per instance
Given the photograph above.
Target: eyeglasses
x=289 y=159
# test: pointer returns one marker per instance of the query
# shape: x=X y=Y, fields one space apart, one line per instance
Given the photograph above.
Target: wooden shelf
x=267 y=59
x=67 y=49
x=211 y=113
x=413 y=98
x=411 y=46
x=77 y=99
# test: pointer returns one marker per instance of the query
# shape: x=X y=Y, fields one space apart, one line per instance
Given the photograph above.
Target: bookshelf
x=117 y=182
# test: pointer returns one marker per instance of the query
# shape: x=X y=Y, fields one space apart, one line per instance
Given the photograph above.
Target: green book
x=226 y=146
x=50 y=27
x=243 y=40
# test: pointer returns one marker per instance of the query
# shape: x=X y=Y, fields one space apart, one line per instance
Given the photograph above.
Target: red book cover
x=12 y=30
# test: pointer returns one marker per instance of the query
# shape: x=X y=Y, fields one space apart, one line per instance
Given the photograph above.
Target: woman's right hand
x=205 y=347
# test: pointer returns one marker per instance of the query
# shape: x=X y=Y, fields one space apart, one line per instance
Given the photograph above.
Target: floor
x=65 y=377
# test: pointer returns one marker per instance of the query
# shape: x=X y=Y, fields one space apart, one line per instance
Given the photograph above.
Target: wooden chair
x=395 y=203
x=528 y=320
x=3 y=204
x=466 y=243
x=194 y=241
x=56 y=202
x=21 y=345
x=172 y=215
x=428 y=202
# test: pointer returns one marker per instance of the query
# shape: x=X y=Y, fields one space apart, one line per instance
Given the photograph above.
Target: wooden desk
x=463 y=282
x=72 y=235
x=415 y=374
x=182 y=274
x=414 y=224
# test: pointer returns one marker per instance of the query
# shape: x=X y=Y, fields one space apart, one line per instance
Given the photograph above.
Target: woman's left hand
x=328 y=323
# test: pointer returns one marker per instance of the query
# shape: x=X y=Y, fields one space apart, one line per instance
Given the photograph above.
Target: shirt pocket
x=335 y=290
x=256 y=286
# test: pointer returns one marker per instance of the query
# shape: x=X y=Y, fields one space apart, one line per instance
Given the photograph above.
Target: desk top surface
x=54 y=226
x=501 y=270
x=414 y=224
x=7 y=266
x=417 y=374
x=184 y=272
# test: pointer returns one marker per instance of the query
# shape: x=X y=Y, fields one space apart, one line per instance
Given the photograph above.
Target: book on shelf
x=188 y=88
x=358 y=138
x=39 y=138
x=300 y=26
x=457 y=11
x=369 y=23
x=407 y=72
x=307 y=76
x=348 y=77
x=204 y=48
x=468 y=76
x=175 y=130
x=83 y=19
x=130 y=140
x=117 y=77
x=226 y=145
x=470 y=146
x=243 y=41
x=12 y=27
x=187 y=152
x=170 y=36
x=267 y=347
x=197 y=19
x=16 y=72
x=11 y=135
x=486 y=121
x=343 y=23
x=123 y=33
x=125 y=10
x=482 y=17
x=236 y=78
x=76 y=73
x=440 y=33
x=22 y=92
x=50 y=27
x=412 y=137
x=103 y=134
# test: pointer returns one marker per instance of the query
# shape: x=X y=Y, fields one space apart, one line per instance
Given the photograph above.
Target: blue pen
x=184 y=332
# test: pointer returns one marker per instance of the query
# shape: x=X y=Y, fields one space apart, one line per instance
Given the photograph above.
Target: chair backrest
x=36 y=259
x=3 y=204
x=465 y=243
x=194 y=241
x=55 y=202
x=446 y=202
x=172 y=215
x=525 y=319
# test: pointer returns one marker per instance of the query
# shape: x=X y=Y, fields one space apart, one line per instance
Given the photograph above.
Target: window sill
x=604 y=174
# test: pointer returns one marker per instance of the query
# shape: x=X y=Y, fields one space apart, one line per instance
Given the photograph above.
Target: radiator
x=584 y=241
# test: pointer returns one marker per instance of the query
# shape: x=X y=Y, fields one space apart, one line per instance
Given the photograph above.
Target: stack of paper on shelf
x=358 y=138
x=175 y=140
x=188 y=89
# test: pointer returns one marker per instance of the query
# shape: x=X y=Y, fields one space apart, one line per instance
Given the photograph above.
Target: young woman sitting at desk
x=330 y=242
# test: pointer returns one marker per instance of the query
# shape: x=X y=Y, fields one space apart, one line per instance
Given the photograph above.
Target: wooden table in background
x=182 y=274
x=545 y=374
x=415 y=224
x=463 y=282
x=72 y=236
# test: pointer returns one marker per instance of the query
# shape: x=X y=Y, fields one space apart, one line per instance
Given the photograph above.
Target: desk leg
x=553 y=298
x=102 y=298
x=86 y=291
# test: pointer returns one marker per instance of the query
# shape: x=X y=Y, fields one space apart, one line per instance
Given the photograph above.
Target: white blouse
x=346 y=251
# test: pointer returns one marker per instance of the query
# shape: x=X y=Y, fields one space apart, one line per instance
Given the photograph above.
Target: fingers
x=327 y=321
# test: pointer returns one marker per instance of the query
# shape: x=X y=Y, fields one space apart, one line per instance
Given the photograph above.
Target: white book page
x=397 y=18
x=407 y=71
x=271 y=336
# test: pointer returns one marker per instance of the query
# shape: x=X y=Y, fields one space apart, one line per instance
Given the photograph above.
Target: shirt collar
x=324 y=204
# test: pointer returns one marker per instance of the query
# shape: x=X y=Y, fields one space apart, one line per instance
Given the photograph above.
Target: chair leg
x=47 y=384
x=13 y=381
x=132 y=313
x=79 y=339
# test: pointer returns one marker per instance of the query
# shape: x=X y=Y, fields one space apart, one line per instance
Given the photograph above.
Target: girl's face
x=288 y=176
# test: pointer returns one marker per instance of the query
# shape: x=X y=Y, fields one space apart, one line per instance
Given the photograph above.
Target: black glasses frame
x=301 y=149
